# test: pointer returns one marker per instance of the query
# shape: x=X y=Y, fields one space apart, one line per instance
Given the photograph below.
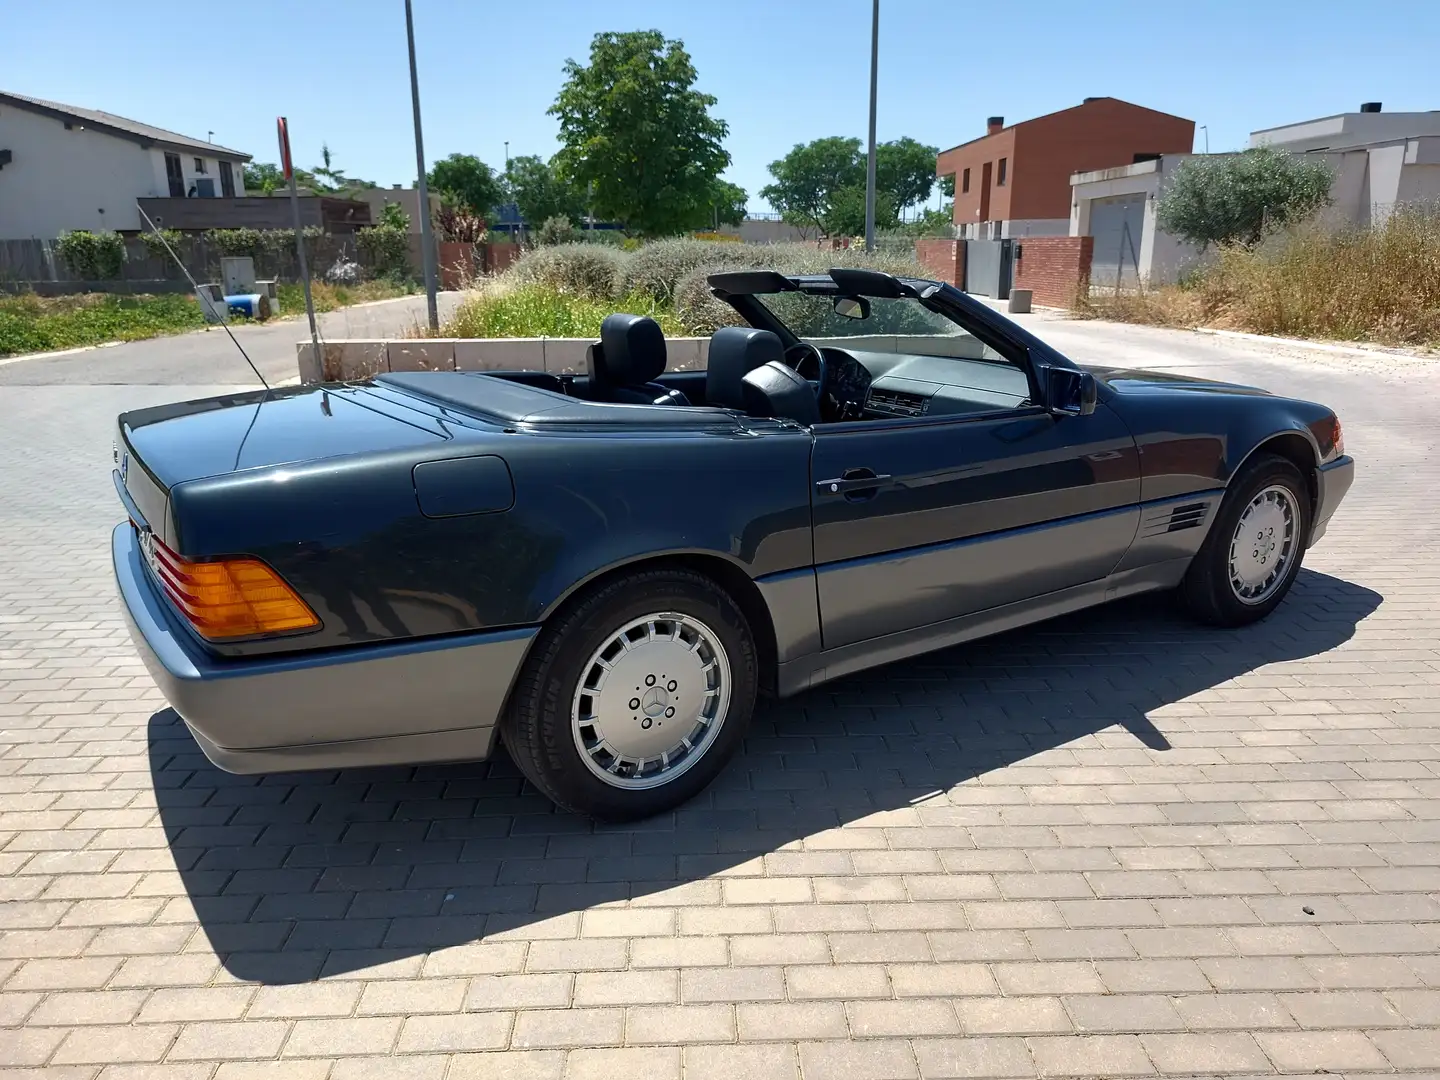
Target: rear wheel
x=1253 y=553
x=634 y=699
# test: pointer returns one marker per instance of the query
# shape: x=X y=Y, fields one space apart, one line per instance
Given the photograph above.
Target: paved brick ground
x=1114 y=846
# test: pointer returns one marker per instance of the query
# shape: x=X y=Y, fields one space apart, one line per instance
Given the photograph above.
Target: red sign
x=284 y=131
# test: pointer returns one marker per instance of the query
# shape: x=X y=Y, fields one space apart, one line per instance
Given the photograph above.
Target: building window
x=1000 y=175
x=200 y=165
x=227 y=180
x=175 y=176
x=965 y=181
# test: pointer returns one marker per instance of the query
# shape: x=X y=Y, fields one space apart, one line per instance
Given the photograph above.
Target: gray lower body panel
x=436 y=699
x=1333 y=481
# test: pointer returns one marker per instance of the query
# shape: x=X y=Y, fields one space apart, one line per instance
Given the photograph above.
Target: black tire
x=537 y=728
x=1207 y=590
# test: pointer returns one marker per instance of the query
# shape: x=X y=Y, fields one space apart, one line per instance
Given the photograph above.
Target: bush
x=257 y=243
x=386 y=246
x=556 y=230
x=155 y=242
x=537 y=309
x=586 y=270
x=92 y=256
x=1378 y=284
x=657 y=268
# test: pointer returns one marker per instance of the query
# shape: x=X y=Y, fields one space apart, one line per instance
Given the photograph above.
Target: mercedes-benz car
x=603 y=569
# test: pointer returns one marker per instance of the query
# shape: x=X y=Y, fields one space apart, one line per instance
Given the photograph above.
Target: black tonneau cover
x=494 y=398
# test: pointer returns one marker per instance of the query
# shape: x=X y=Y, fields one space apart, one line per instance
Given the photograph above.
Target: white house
x=67 y=168
x=1379 y=160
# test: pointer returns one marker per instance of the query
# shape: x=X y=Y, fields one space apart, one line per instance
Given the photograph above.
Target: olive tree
x=1240 y=198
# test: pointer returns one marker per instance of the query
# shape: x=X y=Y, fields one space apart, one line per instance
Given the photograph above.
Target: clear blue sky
x=784 y=71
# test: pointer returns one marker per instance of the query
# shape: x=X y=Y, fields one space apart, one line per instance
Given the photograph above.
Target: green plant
x=92 y=256
x=155 y=242
x=584 y=270
x=30 y=323
x=386 y=246
x=1241 y=198
x=540 y=193
x=657 y=268
x=466 y=180
x=556 y=230
x=536 y=309
x=637 y=136
x=821 y=184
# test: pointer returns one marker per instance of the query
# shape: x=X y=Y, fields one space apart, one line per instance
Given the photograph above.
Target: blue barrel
x=250 y=305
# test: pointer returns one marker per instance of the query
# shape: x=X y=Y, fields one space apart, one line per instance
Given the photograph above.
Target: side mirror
x=852 y=307
x=1069 y=392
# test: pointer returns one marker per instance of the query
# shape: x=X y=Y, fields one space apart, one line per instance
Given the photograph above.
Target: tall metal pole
x=427 y=241
x=282 y=127
x=870 y=161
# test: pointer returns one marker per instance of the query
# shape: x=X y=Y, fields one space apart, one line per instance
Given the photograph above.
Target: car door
x=917 y=521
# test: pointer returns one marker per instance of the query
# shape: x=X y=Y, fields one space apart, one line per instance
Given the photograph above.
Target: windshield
x=812 y=316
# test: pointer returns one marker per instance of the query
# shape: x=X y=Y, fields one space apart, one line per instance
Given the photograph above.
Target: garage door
x=1116 y=224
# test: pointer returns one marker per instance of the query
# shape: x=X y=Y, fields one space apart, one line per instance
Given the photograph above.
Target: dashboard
x=880 y=385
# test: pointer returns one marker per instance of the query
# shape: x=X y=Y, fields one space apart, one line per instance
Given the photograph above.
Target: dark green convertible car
x=603 y=570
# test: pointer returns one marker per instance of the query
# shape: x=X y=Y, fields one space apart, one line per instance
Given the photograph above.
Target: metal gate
x=987 y=267
x=1117 y=224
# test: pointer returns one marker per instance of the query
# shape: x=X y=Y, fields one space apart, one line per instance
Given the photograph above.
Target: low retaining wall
x=347 y=360
x=1056 y=269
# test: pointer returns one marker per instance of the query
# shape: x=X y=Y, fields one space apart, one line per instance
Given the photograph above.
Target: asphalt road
x=208 y=356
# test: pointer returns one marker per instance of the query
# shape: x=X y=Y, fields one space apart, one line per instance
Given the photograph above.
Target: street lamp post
x=427 y=240
x=870 y=160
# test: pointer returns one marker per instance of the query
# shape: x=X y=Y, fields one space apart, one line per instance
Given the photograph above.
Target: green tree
x=947 y=186
x=637 y=136
x=466 y=180
x=263 y=177
x=1240 y=198
x=845 y=216
x=809 y=176
x=905 y=171
x=539 y=193
x=727 y=202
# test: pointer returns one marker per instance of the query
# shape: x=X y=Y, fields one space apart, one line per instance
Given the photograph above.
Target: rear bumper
x=1334 y=481
x=437 y=699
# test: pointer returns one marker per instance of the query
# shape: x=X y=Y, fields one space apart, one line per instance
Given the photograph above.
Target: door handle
x=852 y=482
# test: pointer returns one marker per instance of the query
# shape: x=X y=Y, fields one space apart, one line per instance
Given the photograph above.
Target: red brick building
x=1015 y=181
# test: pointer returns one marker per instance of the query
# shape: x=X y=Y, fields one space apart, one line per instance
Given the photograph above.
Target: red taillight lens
x=230 y=598
x=1339 y=439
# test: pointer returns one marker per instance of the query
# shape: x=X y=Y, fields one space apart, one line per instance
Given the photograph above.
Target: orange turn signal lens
x=230 y=598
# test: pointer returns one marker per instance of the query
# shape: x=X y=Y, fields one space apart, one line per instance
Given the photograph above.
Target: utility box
x=237 y=274
x=212 y=302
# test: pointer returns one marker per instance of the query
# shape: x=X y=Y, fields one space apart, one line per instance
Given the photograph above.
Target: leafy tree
x=905 y=171
x=815 y=181
x=637 y=136
x=539 y=193
x=809 y=176
x=845 y=216
x=727 y=202
x=466 y=180
x=1240 y=198
x=947 y=186
x=263 y=177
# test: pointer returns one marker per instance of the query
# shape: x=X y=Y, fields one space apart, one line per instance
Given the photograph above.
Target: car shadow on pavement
x=301 y=876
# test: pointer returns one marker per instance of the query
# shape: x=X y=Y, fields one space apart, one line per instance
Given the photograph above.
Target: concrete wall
x=407 y=198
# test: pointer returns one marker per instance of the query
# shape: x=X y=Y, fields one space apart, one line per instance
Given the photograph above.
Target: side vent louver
x=1168 y=519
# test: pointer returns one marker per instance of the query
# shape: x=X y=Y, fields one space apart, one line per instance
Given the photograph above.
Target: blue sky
x=784 y=71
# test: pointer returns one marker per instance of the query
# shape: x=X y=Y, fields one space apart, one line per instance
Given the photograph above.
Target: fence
x=35 y=265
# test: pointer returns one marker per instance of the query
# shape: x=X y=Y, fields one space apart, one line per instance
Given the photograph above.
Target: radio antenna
x=225 y=324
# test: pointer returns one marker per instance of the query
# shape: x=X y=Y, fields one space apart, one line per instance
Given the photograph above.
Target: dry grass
x=1380 y=285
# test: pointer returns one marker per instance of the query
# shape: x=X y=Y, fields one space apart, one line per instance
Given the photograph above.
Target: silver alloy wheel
x=651 y=700
x=1263 y=545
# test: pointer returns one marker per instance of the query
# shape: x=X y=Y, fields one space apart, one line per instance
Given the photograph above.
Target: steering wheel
x=803 y=355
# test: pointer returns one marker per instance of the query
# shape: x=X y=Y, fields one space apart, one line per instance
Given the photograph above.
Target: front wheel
x=636 y=697
x=1253 y=553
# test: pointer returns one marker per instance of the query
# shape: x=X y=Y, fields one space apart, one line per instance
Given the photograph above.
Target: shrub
x=586 y=270
x=257 y=243
x=155 y=242
x=1240 y=198
x=386 y=246
x=656 y=268
x=556 y=230
x=537 y=309
x=92 y=256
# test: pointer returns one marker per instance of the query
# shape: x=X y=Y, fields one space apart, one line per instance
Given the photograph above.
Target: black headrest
x=776 y=390
x=631 y=353
x=734 y=351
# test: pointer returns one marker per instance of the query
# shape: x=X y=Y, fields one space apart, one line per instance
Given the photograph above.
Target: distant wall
x=1053 y=268
x=944 y=260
